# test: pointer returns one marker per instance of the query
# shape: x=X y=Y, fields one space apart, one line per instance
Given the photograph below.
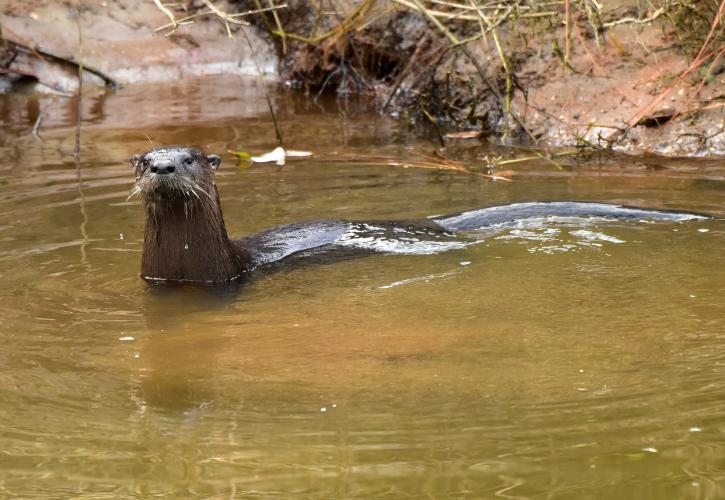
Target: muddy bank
x=549 y=74
x=621 y=79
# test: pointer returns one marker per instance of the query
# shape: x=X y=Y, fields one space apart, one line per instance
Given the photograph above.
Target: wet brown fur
x=185 y=238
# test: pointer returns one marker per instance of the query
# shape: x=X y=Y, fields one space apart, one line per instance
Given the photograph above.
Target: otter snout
x=162 y=166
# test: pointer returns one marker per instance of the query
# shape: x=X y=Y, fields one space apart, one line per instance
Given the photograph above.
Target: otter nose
x=162 y=167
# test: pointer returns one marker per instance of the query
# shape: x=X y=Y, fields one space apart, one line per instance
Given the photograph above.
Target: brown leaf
x=465 y=134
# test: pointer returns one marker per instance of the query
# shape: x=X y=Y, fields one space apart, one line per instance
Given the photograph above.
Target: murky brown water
x=578 y=360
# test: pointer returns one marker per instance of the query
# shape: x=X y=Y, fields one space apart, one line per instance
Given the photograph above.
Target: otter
x=186 y=240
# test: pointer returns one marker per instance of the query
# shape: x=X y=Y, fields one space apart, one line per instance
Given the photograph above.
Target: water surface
x=558 y=359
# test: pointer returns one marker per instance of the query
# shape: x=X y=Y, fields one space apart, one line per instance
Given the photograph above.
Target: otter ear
x=135 y=160
x=214 y=161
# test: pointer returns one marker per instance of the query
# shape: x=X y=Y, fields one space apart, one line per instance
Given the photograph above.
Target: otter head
x=173 y=172
x=185 y=239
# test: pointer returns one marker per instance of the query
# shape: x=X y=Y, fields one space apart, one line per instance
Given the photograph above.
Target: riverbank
x=552 y=75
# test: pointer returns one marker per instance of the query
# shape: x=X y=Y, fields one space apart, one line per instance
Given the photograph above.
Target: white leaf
x=292 y=152
x=278 y=155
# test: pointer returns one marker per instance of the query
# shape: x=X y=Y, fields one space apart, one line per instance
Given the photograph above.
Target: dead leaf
x=465 y=134
x=294 y=153
x=278 y=155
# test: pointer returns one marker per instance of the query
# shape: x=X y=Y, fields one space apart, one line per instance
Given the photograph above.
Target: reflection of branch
x=36 y=127
x=77 y=149
x=39 y=120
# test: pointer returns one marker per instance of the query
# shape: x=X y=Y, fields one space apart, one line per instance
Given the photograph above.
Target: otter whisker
x=136 y=190
x=205 y=193
x=194 y=193
x=210 y=186
x=149 y=139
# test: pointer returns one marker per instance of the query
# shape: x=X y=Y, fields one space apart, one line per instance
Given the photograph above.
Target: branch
x=634 y=20
x=188 y=19
x=168 y=13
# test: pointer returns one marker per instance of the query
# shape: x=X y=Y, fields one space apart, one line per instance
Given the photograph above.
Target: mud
x=619 y=88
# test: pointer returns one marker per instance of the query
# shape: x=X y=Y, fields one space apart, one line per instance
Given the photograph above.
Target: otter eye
x=188 y=160
x=145 y=162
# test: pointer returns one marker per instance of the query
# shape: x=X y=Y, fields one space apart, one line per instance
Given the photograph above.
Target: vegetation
x=409 y=54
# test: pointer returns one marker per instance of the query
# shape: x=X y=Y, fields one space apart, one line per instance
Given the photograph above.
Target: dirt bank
x=552 y=74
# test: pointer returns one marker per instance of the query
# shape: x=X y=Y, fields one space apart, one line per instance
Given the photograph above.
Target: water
x=553 y=359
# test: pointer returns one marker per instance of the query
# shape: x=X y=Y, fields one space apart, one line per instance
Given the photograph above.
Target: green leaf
x=242 y=155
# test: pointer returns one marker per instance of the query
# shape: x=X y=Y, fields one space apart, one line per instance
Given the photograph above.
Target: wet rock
x=120 y=44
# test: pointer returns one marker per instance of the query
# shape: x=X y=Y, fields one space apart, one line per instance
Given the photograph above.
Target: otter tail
x=485 y=217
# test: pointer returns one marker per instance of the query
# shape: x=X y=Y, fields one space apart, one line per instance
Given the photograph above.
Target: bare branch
x=166 y=11
x=189 y=19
